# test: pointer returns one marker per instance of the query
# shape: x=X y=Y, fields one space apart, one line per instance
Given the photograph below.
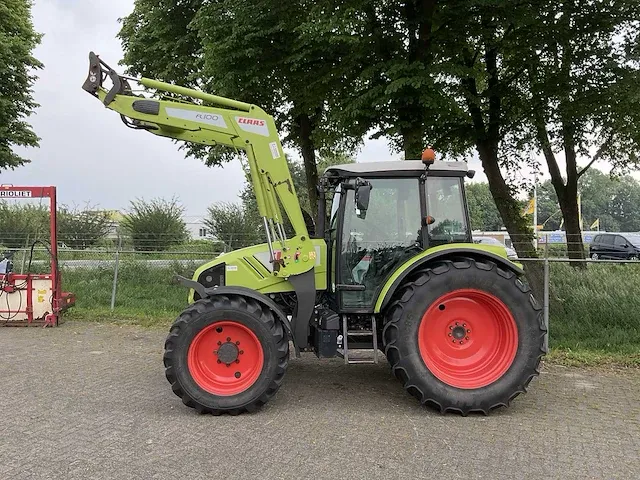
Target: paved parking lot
x=90 y=401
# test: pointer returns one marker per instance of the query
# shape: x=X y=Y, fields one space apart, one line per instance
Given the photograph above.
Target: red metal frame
x=60 y=300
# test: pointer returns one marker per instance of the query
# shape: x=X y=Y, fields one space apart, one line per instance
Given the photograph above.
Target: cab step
x=349 y=353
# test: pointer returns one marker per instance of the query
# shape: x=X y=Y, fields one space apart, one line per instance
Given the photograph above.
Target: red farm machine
x=26 y=298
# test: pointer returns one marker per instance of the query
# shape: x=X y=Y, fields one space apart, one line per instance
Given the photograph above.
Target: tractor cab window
x=445 y=204
x=375 y=242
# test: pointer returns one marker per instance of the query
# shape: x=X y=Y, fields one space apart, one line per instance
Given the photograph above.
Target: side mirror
x=363 y=194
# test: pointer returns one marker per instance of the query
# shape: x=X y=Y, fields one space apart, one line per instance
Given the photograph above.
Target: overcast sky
x=85 y=149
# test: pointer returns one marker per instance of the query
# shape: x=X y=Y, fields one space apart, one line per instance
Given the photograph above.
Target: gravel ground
x=86 y=401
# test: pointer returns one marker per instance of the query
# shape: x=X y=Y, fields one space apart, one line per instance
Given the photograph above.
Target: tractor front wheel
x=226 y=354
x=464 y=335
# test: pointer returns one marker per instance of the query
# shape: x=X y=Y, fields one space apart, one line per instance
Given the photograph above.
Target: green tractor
x=389 y=266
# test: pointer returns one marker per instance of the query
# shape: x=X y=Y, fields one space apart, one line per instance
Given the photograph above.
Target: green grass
x=592 y=358
x=595 y=320
x=598 y=308
x=144 y=294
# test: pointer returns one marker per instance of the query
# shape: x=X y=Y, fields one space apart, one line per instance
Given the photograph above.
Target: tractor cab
x=383 y=214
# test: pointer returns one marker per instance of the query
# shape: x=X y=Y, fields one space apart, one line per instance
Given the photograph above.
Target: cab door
x=375 y=242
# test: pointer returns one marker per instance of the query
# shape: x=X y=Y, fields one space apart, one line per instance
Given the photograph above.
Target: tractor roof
x=399 y=168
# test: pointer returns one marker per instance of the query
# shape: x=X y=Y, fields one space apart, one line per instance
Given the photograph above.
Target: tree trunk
x=487 y=140
x=412 y=139
x=309 y=157
x=567 y=193
x=569 y=204
x=418 y=17
x=510 y=211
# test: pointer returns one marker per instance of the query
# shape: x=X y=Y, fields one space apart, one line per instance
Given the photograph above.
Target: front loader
x=388 y=267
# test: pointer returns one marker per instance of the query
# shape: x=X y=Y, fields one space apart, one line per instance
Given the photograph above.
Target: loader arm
x=213 y=120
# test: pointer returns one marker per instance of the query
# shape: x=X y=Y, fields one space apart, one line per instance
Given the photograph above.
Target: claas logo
x=251 y=121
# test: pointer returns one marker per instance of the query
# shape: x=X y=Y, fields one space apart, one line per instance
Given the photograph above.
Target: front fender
x=204 y=292
x=440 y=252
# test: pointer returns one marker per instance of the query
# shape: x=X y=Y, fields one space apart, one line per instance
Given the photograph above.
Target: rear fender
x=477 y=252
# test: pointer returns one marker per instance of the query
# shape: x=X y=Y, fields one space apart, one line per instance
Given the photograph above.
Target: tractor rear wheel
x=464 y=335
x=226 y=354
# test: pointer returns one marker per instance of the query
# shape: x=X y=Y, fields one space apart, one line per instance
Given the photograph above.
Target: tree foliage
x=250 y=51
x=582 y=77
x=22 y=224
x=510 y=80
x=82 y=228
x=483 y=212
x=155 y=225
x=17 y=64
x=613 y=200
x=233 y=225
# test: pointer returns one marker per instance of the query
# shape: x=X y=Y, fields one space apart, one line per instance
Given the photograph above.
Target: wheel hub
x=459 y=332
x=227 y=352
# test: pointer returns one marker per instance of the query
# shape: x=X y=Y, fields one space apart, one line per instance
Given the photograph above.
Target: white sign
x=275 y=153
x=253 y=125
x=196 y=116
x=15 y=193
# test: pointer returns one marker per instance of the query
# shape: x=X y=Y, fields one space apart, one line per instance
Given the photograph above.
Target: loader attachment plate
x=98 y=72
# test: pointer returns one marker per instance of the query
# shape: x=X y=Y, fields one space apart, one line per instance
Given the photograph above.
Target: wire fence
x=588 y=303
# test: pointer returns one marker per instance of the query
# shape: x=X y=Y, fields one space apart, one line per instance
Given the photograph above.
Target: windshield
x=445 y=204
x=634 y=240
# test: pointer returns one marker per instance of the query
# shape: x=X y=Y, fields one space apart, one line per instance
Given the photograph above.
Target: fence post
x=545 y=307
x=115 y=273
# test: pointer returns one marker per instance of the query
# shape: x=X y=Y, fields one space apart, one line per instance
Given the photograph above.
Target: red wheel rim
x=468 y=338
x=225 y=358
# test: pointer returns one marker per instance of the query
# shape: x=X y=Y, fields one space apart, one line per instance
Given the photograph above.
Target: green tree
x=250 y=51
x=82 y=228
x=549 y=213
x=232 y=225
x=614 y=200
x=483 y=212
x=21 y=225
x=387 y=66
x=17 y=42
x=584 y=94
x=443 y=73
x=155 y=225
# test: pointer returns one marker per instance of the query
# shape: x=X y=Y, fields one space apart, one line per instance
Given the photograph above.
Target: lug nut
x=219 y=343
x=237 y=374
x=466 y=338
x=454 y=340
x=237 y=361
x=461 y=342
x=464 y=324
x=450 y=327
x=468 y=331
x=219 y=361
x=215 y=352
x=241 y=352
x=449 y=335
x=228 y=364
x=238 y=342
x=228 y=339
